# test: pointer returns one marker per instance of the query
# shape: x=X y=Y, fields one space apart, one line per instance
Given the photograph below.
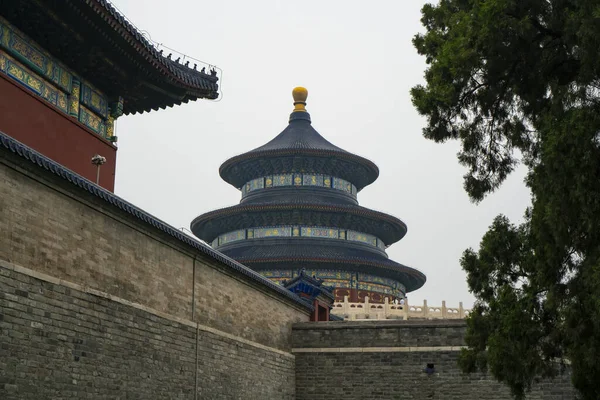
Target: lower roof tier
x=212 y=224
x=355 y=285
x=325 y=257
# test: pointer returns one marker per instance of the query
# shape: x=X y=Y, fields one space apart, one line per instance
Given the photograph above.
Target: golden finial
x=300 y=94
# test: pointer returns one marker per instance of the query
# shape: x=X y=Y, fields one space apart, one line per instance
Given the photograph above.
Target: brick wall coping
x=405 y=349
x=389 y=324
x=85 y=289
x=44 y=162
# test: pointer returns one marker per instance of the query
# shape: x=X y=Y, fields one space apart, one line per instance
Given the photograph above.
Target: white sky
x=357 y=61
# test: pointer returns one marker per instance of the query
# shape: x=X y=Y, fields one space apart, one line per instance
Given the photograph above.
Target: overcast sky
x=358 y=64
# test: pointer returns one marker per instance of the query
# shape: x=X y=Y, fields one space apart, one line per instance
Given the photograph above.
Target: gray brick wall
x=391 y=333
x=60 y=343
x=385 y=360
x=50 y=226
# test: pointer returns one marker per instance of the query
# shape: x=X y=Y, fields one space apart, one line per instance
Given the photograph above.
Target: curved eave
x=411 y=278
x=242 y=168
x=208 y=226
x=300 y=247
x=123 y=62
x=291 y=194
x=196 y=83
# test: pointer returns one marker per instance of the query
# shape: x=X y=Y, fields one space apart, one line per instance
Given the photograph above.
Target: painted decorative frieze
x=361 y=237
x=18 y=72
x=28 y=64
x=33 y=57
x=278 y=273
x=232 y=236
x=282 y=180
x=312 y=180
x=93 y=100
x=299 y=180
x=320 y=232
x=281 y=231
x=74 y=98
x=92 y=121
x=299 y=231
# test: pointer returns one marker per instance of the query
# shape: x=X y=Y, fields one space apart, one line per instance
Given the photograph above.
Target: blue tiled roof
x=260 y=257
x=93 y=38
x=16 y=147
x=386 y=227
x=299 y=134
x=187 y=76
x=299 y=139
x=304 y=283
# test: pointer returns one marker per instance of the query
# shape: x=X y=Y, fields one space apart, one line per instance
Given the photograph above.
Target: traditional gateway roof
x=299 y=147
x=123 y=62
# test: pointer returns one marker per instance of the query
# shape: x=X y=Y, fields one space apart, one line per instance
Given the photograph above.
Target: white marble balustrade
x=388 y=310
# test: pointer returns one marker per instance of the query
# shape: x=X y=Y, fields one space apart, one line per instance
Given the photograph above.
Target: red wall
x=36 y=123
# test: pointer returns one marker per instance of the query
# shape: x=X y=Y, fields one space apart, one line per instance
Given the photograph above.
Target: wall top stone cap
x=439 y=323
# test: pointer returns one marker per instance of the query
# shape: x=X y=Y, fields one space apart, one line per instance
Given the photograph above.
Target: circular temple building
x=299 y=210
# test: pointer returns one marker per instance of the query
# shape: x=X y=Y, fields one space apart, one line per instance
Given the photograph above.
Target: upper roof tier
x=299 y=148
x=98 y=43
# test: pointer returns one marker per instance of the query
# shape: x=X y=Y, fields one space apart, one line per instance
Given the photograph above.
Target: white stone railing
x=387 y=310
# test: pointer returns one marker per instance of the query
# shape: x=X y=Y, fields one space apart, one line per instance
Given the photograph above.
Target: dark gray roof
x=261 y=257
x=187 y=75
x=297 y=148
x=302 y=247
x=299 y=134
x=7 y=143
x=96 y=41
x=304 y=278
x=299 y=212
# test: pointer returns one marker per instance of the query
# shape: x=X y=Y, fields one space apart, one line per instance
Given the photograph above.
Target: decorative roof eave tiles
x=304 y=277
x=233 y=172
x=299 y=140
x=416 y=278
x=36 y=158
x=122 y=64
x=179 y=74
x=301 y=247
x=396 y=228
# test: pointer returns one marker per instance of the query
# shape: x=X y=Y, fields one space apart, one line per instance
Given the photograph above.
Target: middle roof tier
x=300 y=212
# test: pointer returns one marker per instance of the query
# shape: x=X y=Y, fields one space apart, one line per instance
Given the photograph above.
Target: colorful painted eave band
x=369 y=166
x=350 y=209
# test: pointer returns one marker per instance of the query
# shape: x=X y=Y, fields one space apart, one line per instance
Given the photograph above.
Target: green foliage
x=519 y=81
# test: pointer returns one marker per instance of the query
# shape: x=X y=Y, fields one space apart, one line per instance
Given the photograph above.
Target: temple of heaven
x=299 y=210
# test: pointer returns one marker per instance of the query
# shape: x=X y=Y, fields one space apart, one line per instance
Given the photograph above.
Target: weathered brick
x=68 y=341
x=83 y=240
x=139 y=355
x=386 y=374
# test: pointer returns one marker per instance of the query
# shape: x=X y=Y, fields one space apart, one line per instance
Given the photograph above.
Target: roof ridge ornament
x=299 y=94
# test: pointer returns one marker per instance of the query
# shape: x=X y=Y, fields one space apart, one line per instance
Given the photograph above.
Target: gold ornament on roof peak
x=299 y=94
